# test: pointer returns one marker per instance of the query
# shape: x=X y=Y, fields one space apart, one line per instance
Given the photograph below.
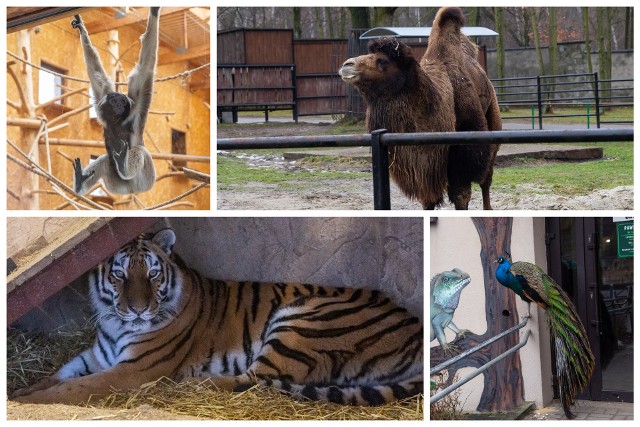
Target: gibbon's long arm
x=141 y=78
x=100 y=82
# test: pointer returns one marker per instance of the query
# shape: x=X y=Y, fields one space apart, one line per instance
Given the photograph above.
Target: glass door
x=592 y=259
x=614 y=260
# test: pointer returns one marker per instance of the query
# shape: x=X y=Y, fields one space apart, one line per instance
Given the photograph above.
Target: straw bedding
x=33 y=356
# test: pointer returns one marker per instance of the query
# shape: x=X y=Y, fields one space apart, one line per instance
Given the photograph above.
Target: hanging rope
x=183 y=74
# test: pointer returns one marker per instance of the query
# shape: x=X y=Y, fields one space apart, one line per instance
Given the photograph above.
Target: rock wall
x=386 y=254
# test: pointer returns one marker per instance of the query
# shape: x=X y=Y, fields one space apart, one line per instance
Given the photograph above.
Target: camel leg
x=460 y=195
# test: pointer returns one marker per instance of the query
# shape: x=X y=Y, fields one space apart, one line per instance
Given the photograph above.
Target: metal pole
x=597 y=96
x=539 y=102
x=466 y=353
x=478 y=371
x=295 y=93
x=380 y=169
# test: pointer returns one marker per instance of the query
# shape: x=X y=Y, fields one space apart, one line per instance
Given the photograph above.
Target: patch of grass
x=572 y=178
x=232 y=171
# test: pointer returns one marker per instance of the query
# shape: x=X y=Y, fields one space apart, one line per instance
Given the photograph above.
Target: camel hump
x=449 y=15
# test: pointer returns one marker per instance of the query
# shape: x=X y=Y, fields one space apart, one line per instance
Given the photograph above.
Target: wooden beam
x=29 y=288
x=21 y=18
x=100 y=145
x=198 y=176
x=27 y=123
x=201 y=51
x=140 y=16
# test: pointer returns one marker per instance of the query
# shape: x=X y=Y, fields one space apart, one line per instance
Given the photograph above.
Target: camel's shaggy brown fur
x=402 y=96
x=447 y=91
x=476 y=105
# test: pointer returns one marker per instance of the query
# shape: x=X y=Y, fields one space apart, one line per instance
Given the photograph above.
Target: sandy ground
x=356 y=194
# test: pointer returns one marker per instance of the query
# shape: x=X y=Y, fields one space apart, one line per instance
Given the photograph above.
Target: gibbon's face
x=116 y=106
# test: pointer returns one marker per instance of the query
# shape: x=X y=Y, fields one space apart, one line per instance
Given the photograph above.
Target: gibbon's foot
x=79 y=177
x=77 y=22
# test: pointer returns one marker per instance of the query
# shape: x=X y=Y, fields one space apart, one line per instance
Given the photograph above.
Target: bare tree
x=297 y=26
x=499 y=19
x=383 y=16
x=360 y=17
x=536 y=38
x=553 y=53
x=628 y=28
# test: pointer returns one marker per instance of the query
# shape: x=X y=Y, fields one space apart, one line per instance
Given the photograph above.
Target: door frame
x=585 y=295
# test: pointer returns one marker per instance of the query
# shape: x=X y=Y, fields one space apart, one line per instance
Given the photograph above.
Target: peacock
x=574 y=359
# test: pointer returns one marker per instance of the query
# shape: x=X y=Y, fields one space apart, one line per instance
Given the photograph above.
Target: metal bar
x=480 y=370
x=511 y=137
x=466 y=353
x=359 y=140
x=294 y=94
x=253 y=65
x=596 y=91
x=539 y=104
x=380 y=169
x=389 y=139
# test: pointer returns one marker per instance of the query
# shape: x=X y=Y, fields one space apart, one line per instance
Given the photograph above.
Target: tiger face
x=138 y=287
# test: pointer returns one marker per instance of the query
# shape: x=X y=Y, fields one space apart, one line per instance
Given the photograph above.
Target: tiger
x=156 y=318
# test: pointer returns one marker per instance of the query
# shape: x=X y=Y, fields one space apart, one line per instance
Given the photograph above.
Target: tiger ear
x=165 y=239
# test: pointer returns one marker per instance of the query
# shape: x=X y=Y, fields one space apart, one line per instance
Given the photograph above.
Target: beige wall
x=454 y=242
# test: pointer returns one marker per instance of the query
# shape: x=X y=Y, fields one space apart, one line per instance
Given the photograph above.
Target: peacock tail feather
x=574 y=360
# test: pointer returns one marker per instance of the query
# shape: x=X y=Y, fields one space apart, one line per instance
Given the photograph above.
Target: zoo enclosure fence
x=584 y=90
x=380 y=141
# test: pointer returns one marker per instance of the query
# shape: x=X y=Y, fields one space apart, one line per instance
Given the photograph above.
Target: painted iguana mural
x=445 y=291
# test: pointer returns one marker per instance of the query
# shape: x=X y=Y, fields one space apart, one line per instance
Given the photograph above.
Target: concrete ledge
x=517 y=414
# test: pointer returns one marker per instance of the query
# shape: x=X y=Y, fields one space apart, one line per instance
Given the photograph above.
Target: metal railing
x=442 y=393
x=583 y=90
x=380 y=141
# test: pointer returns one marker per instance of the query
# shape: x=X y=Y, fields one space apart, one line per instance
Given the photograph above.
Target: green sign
x=625 y=239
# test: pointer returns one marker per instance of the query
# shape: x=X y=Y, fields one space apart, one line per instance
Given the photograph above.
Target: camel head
x=387 y=67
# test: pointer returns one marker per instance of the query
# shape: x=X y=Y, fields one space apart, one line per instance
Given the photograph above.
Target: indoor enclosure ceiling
x=184 y=31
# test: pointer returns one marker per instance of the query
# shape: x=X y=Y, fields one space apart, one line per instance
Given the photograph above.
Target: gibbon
x=127 y=166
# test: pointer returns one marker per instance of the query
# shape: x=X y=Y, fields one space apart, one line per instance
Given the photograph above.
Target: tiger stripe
x=157 y=318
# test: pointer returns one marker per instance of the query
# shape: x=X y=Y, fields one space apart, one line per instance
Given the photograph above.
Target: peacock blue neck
x=505 y=277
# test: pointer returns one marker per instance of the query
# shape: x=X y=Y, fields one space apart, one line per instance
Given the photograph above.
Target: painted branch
x=100 y=144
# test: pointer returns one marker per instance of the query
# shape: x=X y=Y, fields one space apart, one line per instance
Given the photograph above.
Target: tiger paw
x=23 y=394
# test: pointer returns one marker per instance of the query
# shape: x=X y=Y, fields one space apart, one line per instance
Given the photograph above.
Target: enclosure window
x=50 y=85
x=178 y=146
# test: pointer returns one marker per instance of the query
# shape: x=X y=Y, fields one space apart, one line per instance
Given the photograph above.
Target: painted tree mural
x=503 y=383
